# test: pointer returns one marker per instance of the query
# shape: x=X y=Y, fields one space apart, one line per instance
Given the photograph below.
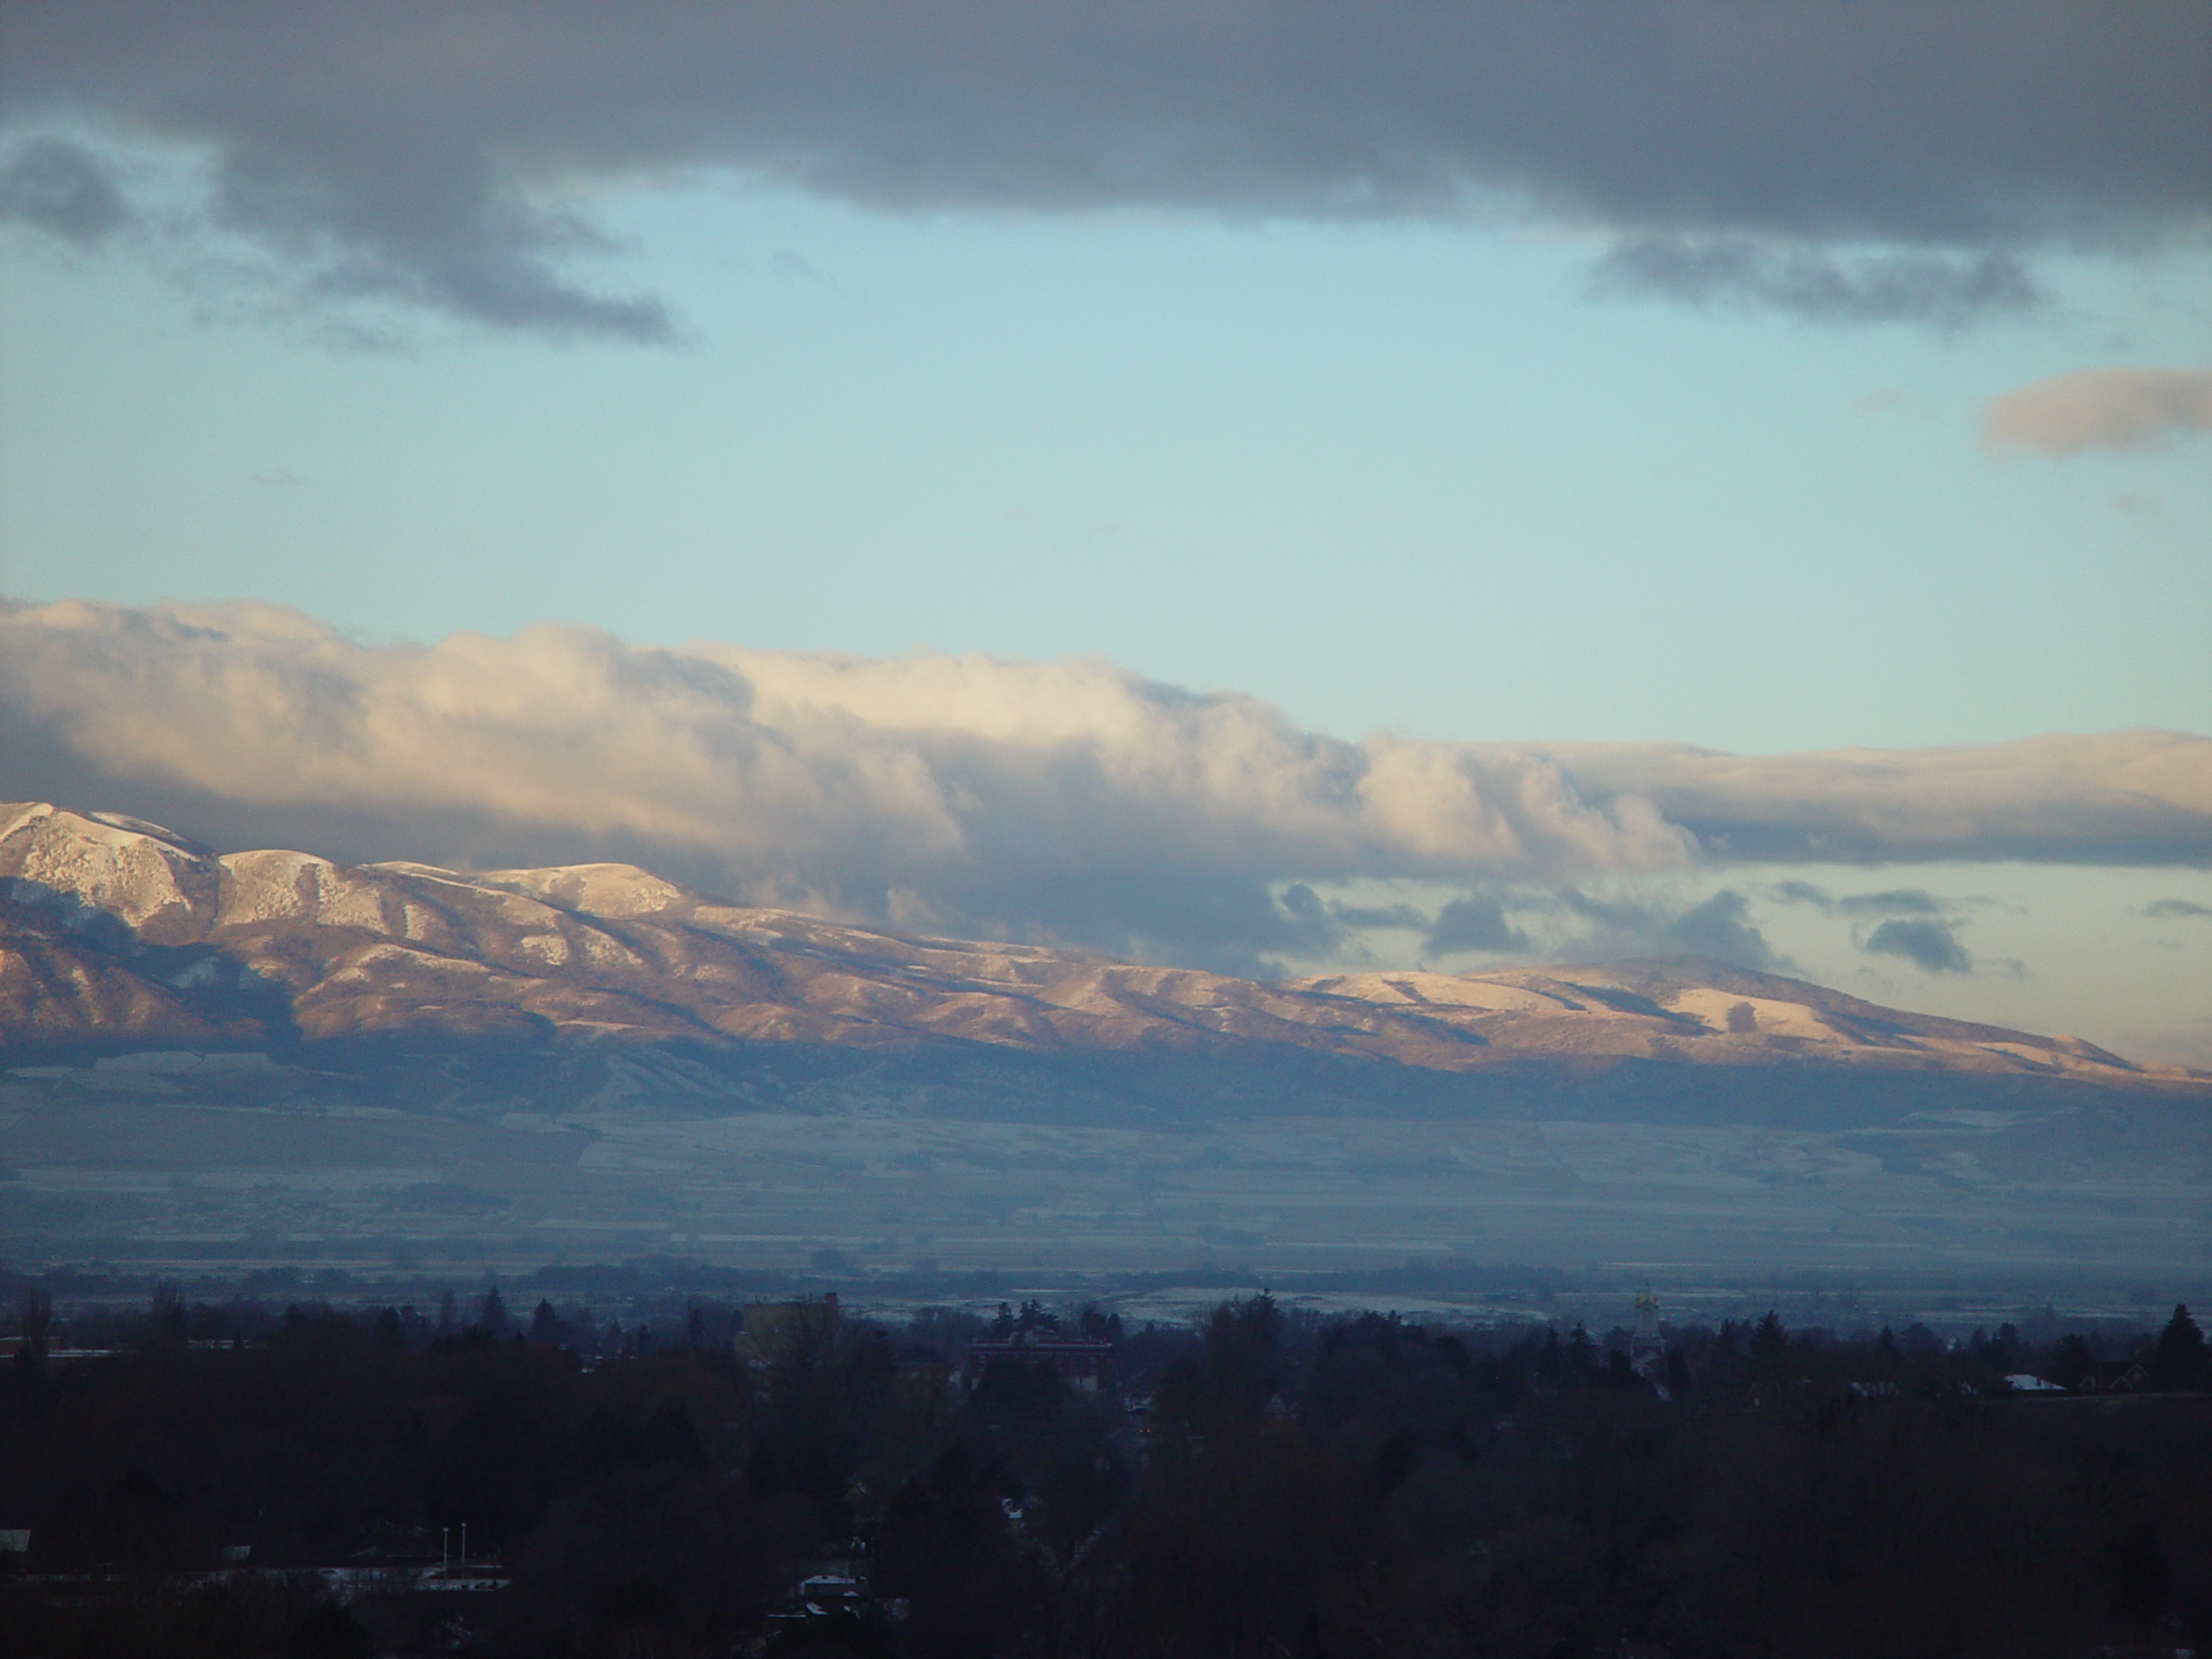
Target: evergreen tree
x=170 y=1324
x=2071 y=1360
x=1770 y=1348
x=1581 y=1355
x=30 y=1358
x=2177 y=1362
x=38 y=1320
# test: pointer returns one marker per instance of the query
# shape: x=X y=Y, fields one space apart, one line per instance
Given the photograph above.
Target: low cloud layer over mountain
x=1838 y=161
x=1071 y=802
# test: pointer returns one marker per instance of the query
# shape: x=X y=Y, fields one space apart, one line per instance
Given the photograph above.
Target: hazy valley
x=266 y=1056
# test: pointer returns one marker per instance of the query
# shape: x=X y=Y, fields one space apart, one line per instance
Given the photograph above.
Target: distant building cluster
x=770 y=1330
x=1084 y=1363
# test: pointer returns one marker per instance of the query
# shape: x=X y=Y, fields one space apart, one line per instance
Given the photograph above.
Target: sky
x=1214 y=483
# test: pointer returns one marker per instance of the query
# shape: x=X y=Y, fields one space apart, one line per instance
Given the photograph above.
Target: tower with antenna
x=1647 y=1350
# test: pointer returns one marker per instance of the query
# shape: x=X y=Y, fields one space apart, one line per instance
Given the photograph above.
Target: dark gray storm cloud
x=62 y=189
x=1718 y=926
x=1404 y=917
x=1949 y=290
x=1474 y=922
x=2174 y=910
x=1896 y=901
x=1893 y=901
x=1850 y=159
x=1572 y=925
x=1932 y=946
x=1879 y=806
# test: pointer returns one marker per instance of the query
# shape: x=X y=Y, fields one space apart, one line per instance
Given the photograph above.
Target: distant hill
x=268 y=1056
x=118 y=930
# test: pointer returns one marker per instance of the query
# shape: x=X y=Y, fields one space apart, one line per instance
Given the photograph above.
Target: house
x=774 y=1331
x=1081 y=1362
x=2117 y=1377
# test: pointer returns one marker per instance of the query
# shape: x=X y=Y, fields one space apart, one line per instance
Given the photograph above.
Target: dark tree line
x=1295 y=1487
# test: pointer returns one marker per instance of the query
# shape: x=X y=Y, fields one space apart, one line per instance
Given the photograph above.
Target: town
x=787 y=1477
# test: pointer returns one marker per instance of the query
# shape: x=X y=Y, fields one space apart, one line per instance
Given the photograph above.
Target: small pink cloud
x=2115 y=408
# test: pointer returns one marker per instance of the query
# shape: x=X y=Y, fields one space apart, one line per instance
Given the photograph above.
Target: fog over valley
x=222 y=1056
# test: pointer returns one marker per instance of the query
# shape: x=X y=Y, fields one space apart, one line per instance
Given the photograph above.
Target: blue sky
x=1663 y=430
x=1400 y=476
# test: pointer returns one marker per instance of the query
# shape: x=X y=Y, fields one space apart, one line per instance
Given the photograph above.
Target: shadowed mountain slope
x=119 y=932
x=262 y=1056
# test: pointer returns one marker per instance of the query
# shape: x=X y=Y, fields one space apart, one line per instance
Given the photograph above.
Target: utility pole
x=464 y=1549
x=444 y=1557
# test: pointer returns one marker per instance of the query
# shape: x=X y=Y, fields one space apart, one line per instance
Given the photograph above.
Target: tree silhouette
x=38 y=1320
x=1300 y=1488
x=2177 y=1360
x=2072 y=1360
x=1770 y=1349
x=545 y=1324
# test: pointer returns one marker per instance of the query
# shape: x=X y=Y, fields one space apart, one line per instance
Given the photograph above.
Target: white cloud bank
x=1071 y=801
x=2115 y=408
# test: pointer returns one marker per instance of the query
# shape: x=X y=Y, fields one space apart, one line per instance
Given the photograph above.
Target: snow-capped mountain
x=118 y=929
x=224 y=1059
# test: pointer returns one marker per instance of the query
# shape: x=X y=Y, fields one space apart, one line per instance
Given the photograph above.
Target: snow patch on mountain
x=1727 y=1012
x=146 y=877
x=119 y=930
x=611 y=890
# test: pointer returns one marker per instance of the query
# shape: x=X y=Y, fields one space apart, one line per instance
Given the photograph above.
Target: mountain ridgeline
x=593 y=1055
x=120 y=932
